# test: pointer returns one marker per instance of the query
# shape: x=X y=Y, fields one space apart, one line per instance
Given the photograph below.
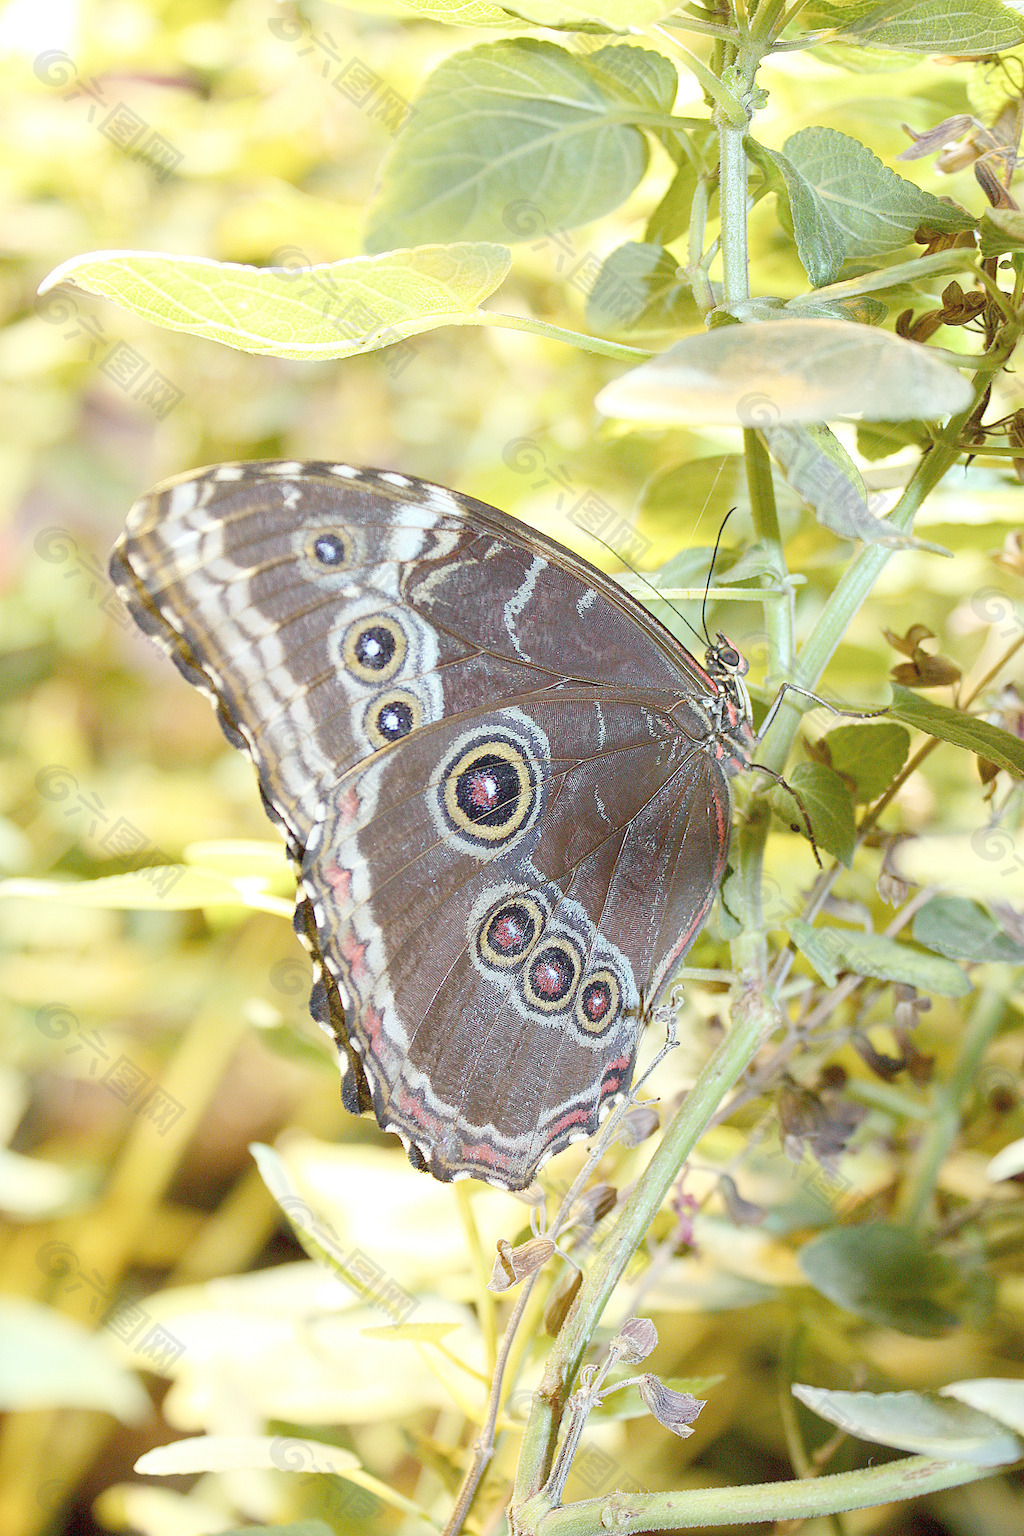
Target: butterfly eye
x=374 y=648
x=729 y=657
x=330 y=549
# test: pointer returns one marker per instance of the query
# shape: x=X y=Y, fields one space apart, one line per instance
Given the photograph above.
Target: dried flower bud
x=635 y=1340
x=637 y=1124
x=743 y=1212
x=593 y=1205
x=675 y=1410
x=514 y=1264
x=562 y=1296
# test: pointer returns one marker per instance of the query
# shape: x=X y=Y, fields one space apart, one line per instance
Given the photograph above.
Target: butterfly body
x=504 y=785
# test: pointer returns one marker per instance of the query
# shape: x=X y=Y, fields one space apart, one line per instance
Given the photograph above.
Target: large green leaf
x=519 y=140
x=787 y=371
x=822 y=473
x=875 y=210
x=961 y=930
x=961 y=730
x=334 y=310
x=873 y=954
x=922 y=26
x=886 y=1274
x=819 y=240
x=871 y=755
x=917 y=1421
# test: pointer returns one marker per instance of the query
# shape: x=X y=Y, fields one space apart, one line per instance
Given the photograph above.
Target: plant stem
x=943 y=1123
x=750 y=1023
x=803 y=1499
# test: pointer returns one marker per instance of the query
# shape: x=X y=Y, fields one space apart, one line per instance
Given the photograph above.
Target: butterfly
x=503 y=783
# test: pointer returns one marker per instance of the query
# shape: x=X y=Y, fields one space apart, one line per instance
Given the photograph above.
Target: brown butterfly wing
x=490 y=765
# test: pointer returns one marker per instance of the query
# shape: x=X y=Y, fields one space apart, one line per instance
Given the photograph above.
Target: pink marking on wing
x=348 y=805
x=339 y=880
x=353 y=952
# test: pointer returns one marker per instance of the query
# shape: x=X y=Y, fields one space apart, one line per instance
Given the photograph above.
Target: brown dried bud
x=556 y=1309
x=593 y=1205
x=675 y=1410
x=635 y=1340
x=743 y=1212
x=514 y=1264
x=637 y=1124
x=910 y=643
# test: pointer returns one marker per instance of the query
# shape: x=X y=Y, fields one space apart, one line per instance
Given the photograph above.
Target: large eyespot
x=551 y=974
x=599 y=1001
x=331 y=547
x=490 y=791
x=374 y=648
x=509 y=931
x=392 y=715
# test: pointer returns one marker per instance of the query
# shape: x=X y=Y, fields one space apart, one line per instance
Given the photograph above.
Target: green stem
x=732 y=196
x=490 y=317
x=803 y=1499
x=749 y=1025
x=943 y=1124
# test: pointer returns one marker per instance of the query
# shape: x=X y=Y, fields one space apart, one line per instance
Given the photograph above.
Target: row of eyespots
x=549 y=970
x=373 y=650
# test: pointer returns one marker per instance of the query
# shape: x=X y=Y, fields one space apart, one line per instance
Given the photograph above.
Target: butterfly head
x=727 y=667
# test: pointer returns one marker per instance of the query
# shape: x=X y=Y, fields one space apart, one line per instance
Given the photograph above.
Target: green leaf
x=874 y=954
x=638 y=289
x=49 y=1361
x=790 y=370
x=816 y=950
x=616 y=15
x=1000 y=1397
x=823 y=475
x=961 y=930
x=1002 y=231
x=871 y=755
x=516 y=139
x=828 y=805
x=885 y=1274
x=461 y=13
x=335 y=310
x=916 y=1421
x=819 y=239
x=671 y=218
x=988 y=741
x=874 y=210
x=922 y=26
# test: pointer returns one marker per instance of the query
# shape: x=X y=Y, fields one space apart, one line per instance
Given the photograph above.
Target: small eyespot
x=392 y=716
x=599 y=1002
x=374 y=648
x=329 y=549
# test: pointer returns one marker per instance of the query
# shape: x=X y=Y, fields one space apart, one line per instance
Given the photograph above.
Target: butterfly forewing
x=497 y=775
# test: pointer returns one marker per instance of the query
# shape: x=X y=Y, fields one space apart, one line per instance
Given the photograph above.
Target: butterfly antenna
x=711 y=572
x=649 y=584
